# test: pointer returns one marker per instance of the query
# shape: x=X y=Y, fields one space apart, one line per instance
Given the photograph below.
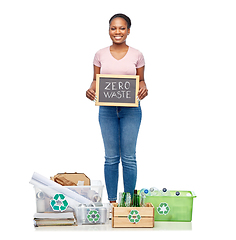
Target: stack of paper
x=54 y=219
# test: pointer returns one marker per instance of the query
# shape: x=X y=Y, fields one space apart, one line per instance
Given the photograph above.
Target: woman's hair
x=120 y=15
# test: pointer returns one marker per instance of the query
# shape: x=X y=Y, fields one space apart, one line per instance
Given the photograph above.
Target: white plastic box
x=58 y=202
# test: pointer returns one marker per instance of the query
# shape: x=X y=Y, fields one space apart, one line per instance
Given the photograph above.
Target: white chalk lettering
x=113 y=85
x=118 y=94
x=108 y=84
x=107 y=94
x=127 y=94
x=123 y=94
x=127 y=85
x=117 y=90
x=120 y=85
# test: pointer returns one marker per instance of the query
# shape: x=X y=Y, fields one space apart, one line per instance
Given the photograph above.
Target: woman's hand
x=143 y=91
x=91 y=94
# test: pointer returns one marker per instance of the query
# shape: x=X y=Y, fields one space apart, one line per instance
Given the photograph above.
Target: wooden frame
x=120 y=216
x=119 y=90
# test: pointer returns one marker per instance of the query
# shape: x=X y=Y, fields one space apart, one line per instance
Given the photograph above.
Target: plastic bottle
x=121 y=200
x=155 y=191
x=120 y=197
x=128 y=200
x=145 y=191
x=142 y=201
x=93 y=196
x=40 y=199
x=177 y=193
x=165 y=192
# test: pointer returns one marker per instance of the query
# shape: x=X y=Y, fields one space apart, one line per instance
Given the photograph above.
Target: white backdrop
x=187 y=136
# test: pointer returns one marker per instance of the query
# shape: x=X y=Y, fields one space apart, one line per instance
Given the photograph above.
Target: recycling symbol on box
x=134 y=216
x=93 y=216
x=163 y=208
x=59 y=203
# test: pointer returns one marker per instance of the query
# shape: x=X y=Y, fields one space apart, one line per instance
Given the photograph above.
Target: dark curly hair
x=120 y=15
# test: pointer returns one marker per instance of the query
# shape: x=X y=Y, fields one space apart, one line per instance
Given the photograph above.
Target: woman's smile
x=118 y=37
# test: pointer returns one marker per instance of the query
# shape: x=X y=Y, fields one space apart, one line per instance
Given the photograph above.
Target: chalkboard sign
x=117 y=90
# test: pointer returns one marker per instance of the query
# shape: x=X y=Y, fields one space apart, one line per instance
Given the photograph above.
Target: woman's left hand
x=143 y=91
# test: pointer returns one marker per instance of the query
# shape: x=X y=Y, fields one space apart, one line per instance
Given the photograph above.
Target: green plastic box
x=173 y=208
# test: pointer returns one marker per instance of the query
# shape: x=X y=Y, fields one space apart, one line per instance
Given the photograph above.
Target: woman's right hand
x=91 y=94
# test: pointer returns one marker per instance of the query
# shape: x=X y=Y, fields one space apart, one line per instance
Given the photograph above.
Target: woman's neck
x=119 y=47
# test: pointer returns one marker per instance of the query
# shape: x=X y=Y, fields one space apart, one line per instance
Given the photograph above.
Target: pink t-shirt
x=126 y=66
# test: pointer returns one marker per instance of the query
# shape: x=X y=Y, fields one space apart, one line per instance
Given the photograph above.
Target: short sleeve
x=140 y=61
x=96 y=60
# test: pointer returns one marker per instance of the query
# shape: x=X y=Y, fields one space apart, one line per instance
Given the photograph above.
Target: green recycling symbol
x=134 y=216
x=93 y=216
x=59 y=203
x=163 y=208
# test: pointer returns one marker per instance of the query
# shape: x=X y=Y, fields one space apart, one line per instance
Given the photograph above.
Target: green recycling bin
x=173 y=208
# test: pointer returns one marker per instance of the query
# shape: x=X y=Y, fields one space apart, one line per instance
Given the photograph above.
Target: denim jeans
x=120 y=127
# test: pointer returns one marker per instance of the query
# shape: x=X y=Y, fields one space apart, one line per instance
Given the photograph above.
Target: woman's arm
x=91 y=92
x=143 y=91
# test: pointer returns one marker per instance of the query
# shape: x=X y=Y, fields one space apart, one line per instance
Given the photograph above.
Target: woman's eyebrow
x=117 y=26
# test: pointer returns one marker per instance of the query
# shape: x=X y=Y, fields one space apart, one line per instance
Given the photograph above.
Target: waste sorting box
x=173 y=208
x=97 y=214
x=133 y=217
x=47 y=201
x=55 y=202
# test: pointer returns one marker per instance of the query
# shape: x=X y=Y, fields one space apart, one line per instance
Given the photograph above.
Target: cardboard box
x=72 y=178
x=133 y=217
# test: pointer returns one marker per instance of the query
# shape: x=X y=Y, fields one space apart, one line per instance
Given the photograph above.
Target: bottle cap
x=164 y=190
x=135 y=191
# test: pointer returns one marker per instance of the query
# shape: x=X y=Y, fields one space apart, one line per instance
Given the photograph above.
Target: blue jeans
x=120 y=127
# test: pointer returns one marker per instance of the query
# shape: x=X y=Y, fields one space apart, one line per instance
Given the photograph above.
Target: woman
x=119 y=125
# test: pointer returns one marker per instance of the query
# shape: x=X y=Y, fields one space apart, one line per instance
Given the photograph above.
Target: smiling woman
x=119 y=125
x=119 y=30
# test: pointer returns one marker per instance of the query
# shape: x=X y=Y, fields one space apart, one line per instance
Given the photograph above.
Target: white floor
x=180 y=226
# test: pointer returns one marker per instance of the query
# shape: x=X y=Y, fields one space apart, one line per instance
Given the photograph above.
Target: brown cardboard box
x=71 y=179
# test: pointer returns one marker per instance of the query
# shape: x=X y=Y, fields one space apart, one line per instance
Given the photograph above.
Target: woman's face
x=118 y=30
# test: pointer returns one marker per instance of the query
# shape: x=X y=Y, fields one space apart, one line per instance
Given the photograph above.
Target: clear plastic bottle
x=128 y=200
x=155 y=191
x=142 y=201
x=120 y=197
x=122 y=202
x=145 y=191
x=165 y=192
